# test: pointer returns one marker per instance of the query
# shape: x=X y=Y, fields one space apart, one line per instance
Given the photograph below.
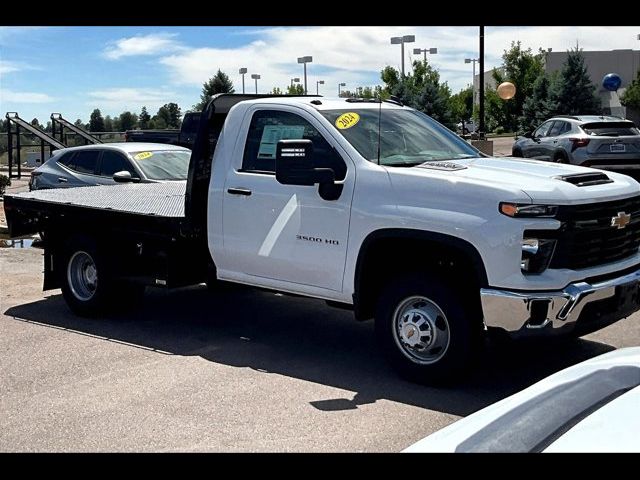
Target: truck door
x=281 y=232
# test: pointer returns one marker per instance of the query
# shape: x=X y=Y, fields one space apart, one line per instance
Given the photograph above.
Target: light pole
x=242 y=71
x=473 y=82
x=296 y=80
x=341 y=85
x=319 y=82
x=418 y=51
x=256 y=77
x=304 y=61
x=402 y=40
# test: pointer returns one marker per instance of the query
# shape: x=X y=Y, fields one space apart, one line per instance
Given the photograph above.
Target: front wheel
x=426 y=329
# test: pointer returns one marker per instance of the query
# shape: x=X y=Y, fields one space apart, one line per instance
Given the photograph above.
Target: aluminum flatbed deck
x=149 y=199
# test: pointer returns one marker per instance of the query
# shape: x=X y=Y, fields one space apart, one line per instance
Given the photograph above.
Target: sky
x=72 y=70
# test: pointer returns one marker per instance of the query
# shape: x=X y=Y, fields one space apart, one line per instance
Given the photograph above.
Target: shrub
x=4 y=183
x=499 y=130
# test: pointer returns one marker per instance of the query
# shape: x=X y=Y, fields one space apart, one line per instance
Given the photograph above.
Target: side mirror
x=294 y=166
x=123 y=177
x=527 y=134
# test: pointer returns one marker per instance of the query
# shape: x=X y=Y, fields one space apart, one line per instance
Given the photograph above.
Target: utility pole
x=481 y=86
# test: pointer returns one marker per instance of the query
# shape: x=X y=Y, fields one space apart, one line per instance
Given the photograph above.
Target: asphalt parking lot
x=240 y=370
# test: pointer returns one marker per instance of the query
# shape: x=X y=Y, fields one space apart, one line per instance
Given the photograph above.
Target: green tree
x=78 y=123
x=144 y=118
x=108 y=124
x=539 y=106
x=422 y=90
x=170 y=113
x=128 y=120
x=157 y=122
x=631 y=96
x=276 y=91
x=96 y=122
x=573 y=93
x=295 y=89
x=522 y=68
x=37 y=124
x=462 y=104
x=219 y=83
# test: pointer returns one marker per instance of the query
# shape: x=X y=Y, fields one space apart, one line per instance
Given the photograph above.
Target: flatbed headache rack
x=14 y=119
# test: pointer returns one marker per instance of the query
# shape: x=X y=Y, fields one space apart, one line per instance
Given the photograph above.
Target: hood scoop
x=585 y=179
x=442 y=166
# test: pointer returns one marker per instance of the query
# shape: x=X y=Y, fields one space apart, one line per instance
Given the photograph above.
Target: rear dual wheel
x=87 y=279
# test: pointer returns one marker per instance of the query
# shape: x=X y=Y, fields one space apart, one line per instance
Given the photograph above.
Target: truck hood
x=539 y=180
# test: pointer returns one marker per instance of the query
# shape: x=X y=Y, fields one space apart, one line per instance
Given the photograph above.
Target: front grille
x=587 y=239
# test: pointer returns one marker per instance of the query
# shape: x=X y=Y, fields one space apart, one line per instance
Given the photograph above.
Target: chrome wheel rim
x=82 y=276
x=421 y=330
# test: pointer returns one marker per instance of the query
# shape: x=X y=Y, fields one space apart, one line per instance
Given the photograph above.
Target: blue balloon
x=612 y=82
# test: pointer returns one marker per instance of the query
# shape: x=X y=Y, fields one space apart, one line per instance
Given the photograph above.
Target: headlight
x=521 y=210
x=536 y=254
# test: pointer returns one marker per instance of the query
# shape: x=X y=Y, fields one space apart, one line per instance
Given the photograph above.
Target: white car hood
x=539 y=180
x=612 y=427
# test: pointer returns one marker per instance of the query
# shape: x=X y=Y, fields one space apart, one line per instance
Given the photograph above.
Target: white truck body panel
x=252 y=239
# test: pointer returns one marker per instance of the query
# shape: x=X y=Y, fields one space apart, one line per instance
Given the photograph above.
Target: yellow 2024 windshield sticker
x=142 y=155
x=347 y=120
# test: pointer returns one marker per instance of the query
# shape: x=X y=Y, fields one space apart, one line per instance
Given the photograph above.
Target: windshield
x=163 y=165
x=407 y=137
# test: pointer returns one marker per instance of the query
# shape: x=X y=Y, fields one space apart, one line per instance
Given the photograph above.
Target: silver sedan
x=112 y=163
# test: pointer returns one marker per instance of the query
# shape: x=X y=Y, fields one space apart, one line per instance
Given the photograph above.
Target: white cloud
x=152 y=44
x=356 y=55
x=7 y=66
x=25 y=97
x=118 y=100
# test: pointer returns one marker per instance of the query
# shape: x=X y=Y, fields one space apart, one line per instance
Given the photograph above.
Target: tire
x=560 y=157
x=516 y=152
x=86 y=279
x=448 y=324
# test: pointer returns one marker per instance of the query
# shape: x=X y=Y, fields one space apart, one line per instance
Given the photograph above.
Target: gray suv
x=605 y=142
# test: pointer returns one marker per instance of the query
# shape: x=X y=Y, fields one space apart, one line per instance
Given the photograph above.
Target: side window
x=566 y=128
x=113 y=162
x=556 y=129
x=269 y=126
x=542 y=130
x=65 y=158
x=84 y=161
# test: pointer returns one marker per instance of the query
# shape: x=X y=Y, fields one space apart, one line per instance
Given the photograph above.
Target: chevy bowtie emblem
x=621 y=220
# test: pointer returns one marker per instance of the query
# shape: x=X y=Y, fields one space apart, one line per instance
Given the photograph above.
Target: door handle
x=62 y=180
x=239 y=191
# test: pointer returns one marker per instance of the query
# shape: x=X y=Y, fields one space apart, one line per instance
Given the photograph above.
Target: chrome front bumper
x=523 y=314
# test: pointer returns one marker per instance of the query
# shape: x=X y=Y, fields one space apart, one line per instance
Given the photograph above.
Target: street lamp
x=418 y=51
x=341 y=85
x=296 y=80
x=319 y=82
x=256 y=77
x=304 y=61
x=242 y=71
x=473 y=83
x=402 y=40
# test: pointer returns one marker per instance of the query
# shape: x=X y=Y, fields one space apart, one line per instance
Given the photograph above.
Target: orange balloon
x=506 y=90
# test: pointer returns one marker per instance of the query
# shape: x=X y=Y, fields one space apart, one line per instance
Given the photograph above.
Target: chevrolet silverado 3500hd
x=369 y=205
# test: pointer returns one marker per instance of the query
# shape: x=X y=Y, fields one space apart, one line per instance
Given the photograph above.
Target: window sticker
x=272 y=134
x=142 y=155
x=347 y=120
